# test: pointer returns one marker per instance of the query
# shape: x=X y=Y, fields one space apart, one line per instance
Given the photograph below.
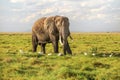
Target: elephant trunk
x=63 y=39
x=63 y=35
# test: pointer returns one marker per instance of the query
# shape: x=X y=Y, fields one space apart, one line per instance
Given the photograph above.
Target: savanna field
x=96 y=56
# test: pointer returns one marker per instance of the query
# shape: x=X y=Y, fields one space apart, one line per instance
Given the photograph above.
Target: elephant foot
x=33 y=50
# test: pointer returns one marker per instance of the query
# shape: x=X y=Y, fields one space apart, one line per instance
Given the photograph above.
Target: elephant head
x=59 y=25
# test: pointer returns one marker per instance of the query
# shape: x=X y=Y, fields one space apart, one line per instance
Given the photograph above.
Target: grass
x=15 y=65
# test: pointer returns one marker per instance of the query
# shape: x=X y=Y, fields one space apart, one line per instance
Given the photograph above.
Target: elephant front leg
x=43 y=48
x=55 y=46
x=34 y=47
x=68 y=49
x=64 y=48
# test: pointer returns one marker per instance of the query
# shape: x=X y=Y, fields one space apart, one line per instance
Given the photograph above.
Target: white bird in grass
x=85 y=53
x=93 y=54
x=104 y=55
x=21 y=51
x=110 y=55
x=40 y=53
x=49 y=54
x=60 y=54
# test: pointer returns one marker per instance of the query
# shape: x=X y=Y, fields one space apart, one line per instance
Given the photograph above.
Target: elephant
x=51 y=30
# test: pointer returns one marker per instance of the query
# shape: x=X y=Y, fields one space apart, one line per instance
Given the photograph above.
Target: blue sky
x=84 y=15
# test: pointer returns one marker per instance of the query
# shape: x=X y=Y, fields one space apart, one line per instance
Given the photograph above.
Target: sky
x=84 y=15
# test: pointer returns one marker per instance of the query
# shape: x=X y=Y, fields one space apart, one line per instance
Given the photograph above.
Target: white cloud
x=43 y=2
x=92 y=3
x=42 y=12
x=93 y=17
x=18 y=10
x=47 y=11
x=78 y=11
x=28 y=18
x=17 y=1
x=101 y=8
x=74 y=10
x=112 y=19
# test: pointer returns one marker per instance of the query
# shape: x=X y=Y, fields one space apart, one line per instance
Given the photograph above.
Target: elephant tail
x=70 y=37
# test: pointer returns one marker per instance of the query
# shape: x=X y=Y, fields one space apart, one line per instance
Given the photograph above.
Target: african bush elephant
x=50 y=30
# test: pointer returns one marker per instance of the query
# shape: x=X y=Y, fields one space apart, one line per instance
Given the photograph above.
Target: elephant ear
x=46 y=24
x=58 y=22
x=49 y=25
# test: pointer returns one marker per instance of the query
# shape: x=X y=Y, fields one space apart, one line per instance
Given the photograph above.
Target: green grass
x=15 y=65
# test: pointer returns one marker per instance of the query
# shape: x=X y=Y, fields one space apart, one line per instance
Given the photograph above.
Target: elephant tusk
x=60 y=41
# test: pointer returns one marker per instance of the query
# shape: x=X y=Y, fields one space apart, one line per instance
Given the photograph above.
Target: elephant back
x=38 y=26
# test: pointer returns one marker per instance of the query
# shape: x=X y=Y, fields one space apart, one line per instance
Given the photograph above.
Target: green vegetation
x=96 y=56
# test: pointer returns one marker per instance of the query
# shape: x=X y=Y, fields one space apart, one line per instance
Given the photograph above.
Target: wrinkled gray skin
x=50 y=30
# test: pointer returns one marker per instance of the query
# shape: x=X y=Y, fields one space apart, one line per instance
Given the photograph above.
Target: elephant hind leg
x=43 y=48
x=34 y=42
